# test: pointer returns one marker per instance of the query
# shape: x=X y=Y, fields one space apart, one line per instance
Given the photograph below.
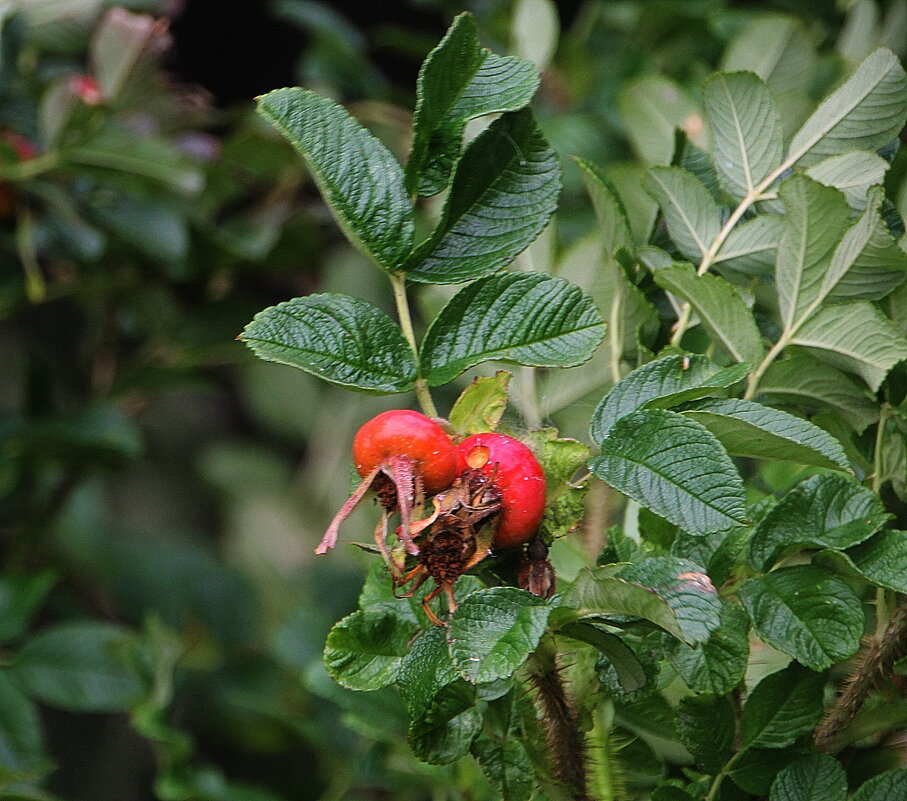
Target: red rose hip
x=519 y=477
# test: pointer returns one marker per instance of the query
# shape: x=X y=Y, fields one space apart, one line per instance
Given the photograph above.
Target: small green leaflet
x=719 y=307
x=852 y=173
x=750 y=429
x=446 y=730
x=614 y=227
x=651 y=108
x=880 y=560
x=817 y=777
x=507 y=766
x=21 y=735
x=884 y=787
x=865 y=113
x=675 y=467
x=357 y=175
x=504 y=191
x=690 y=213
x=523 y=318
x=706 y=727
x=824 y=511
x=751 y=246
x=339 y=338
x=805 y=612
x=665 y=382
x=459 y=81
x=628 y=674
x=781 y=707
x=745 y=126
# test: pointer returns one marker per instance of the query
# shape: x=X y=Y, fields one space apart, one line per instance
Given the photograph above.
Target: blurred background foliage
x=161 y=613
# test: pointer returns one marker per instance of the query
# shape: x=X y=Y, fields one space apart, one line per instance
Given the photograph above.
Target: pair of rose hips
x=487 y=492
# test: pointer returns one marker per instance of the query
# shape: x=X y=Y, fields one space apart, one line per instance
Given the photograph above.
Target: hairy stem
x=566 y=746
x=873 y=665
x=398 y=282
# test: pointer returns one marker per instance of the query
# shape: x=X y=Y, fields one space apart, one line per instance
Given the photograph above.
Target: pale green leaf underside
x=746 y=130
x=676 y=468
x=852 y=173
x=339 y=338
x=493 y=632
x=459 y=81
x=824 y=511
x=720 y=309
x=865 y=113
x=651 y=107
x=777 y=48
x=504 y=191
x=751 y=246
x=662 y=383
x=855 y=337
x=689 y=211
x=525 y=318
x=357 y=175
x=750 y=429
x=805 y=612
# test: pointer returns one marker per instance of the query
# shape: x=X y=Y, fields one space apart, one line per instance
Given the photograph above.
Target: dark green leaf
x=805 y=612
x=506 y=765
x=813 y=778
x=750 y=429
x=884 y=787
x=781 y=707
x=756 y=768
x=357 y=175
x=459 y=81
x=613 y=226
x=706 y=727
x=21 y=736
x=662 y=383
x=81 y=667
x=676 y=468
x=20 y=598
x=745 y=126
x=364 y=650
x=865 y=113
x=717 y=665
x=446 y=730
x=624 y=673
x=493 y=632
x=339 y=338
x=690 y=213
x=425 y=670
x=825 y=511
x=720 y=309
x=880 y=560
x=524 y=318
x=504 y=191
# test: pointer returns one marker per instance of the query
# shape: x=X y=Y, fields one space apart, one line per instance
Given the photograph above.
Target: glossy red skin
x=401 y=432
x=521 y=480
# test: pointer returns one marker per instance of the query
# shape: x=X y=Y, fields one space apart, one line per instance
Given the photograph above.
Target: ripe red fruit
x=401 y=455
x=519 y=477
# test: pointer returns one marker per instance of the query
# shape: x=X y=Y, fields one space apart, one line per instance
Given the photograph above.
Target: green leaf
x=720 y=309
x=664 y=382
x=750 y=248
x=80 y=667
x=640 y=207
x=446 y=730
x=816 y=219
x=503 y=193
x=625 y=674
x=425 y=670
x=865 y=113
x=118 y=45
x=685 y=588
x=506 y=765
x=756 y=768
x=339 y=338
x=825 y=511
x=817 y=777
x=522 y=318
x=651 y=107
x=777 y=48
x=676 y=468
x=855 y=337
x=717 y=665
x=706 y=727
x=689 y=211
x=745 y=126
x=880 y=560
x=21 y=734
x=851 y=173
x=807 y=382
x=357 y=175
x=459 y=81
x=750 y=429
x=613 y=225
x=364 y=650
x=493 y=632
x=805 y=612
x=781 y=707
x=481 y=405
x=20 y=597
x=884 y=787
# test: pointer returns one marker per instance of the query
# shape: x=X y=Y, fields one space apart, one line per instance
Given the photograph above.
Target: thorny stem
x=563 y=737
x=398 y=282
